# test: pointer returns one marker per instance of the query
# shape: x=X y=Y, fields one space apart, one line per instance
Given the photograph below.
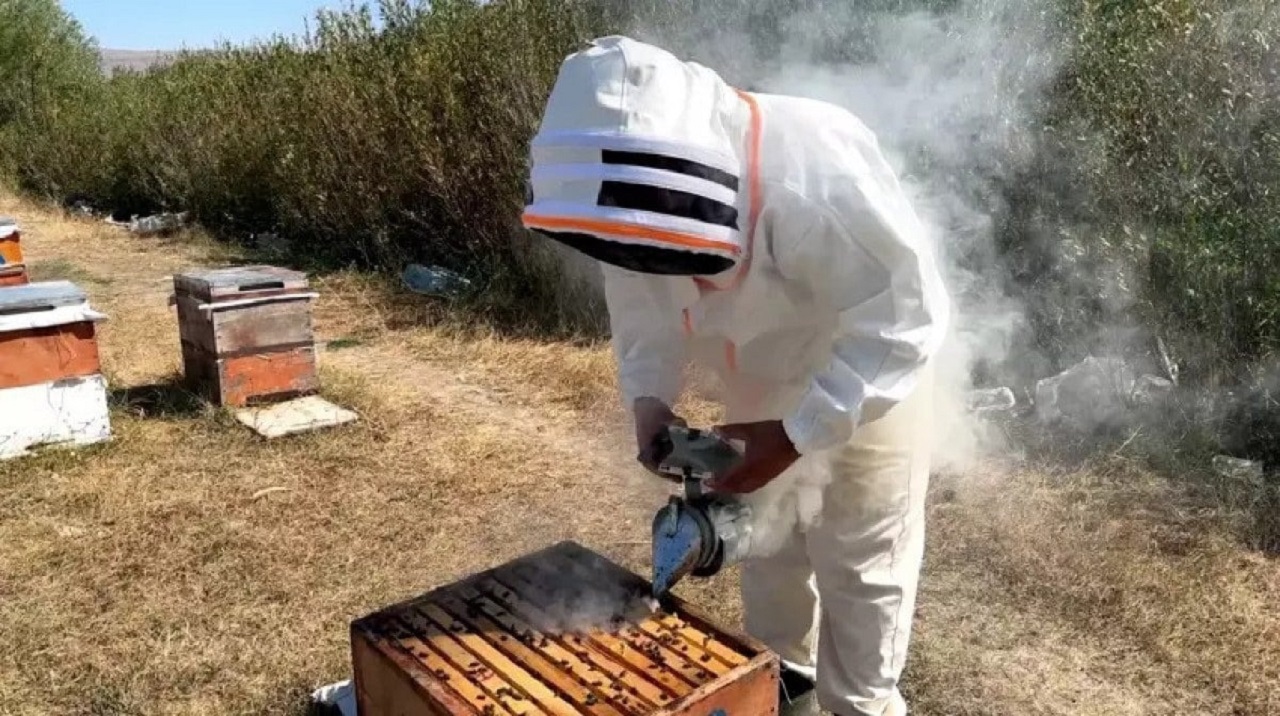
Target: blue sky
x=175 y=24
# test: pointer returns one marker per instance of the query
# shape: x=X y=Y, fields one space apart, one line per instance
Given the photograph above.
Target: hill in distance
x=113 y=60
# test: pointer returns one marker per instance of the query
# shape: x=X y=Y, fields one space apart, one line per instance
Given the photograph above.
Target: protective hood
x=639 y=162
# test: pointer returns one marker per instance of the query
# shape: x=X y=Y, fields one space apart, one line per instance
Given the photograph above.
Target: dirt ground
x=189 y=567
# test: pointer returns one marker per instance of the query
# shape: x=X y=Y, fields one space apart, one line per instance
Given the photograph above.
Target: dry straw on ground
x=191 y=568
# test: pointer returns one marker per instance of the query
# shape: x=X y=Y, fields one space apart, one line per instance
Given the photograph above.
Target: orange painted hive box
x=13 y=269
x=247 y=334
x=562 y=631
x=47 y=334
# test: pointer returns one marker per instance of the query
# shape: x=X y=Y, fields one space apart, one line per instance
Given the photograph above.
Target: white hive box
x=51 y=387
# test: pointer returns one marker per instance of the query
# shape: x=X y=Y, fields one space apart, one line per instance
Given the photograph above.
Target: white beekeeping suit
x=766 y=237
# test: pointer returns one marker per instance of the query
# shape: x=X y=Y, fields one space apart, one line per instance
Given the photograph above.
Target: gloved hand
x=651 y=416
x=769 y=453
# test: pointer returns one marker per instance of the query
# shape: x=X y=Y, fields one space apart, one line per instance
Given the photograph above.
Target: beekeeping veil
x=639 y=162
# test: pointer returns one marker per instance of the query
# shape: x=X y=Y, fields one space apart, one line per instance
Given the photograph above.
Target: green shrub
x=1150 y=209
x=1183 y=93
x=49 y=82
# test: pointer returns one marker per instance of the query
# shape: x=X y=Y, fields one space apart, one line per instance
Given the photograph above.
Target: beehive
x=13 y=268
x=51 y=387
x=563 y=631
x=246 y=334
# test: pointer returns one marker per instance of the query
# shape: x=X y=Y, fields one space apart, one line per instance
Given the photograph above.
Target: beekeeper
x=765 y=237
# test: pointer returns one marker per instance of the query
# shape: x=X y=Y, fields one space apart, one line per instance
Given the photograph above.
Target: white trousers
x=836 y=603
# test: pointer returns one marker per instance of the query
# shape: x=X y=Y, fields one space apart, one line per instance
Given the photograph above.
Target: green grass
x=63 y=270
x=343 y=343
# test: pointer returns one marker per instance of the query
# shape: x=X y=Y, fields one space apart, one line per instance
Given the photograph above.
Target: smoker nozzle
x=677 y=545
x=698 y=537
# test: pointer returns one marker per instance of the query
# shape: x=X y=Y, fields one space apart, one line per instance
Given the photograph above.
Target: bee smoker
x=697 y=532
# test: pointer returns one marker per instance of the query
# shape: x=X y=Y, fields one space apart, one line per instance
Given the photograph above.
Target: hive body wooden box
x=13 y=268
x=51 y=387
x=246 y=334
x=565 y=632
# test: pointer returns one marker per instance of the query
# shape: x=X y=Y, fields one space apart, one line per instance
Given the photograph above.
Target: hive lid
x=238 y=281
x=42 y=305
x=8 y=227
x=42 y=296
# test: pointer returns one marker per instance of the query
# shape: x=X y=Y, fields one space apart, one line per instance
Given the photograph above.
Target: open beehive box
x=563 y=631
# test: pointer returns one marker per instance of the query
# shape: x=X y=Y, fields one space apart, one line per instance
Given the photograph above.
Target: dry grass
x=155 y=576
x=1098 y=592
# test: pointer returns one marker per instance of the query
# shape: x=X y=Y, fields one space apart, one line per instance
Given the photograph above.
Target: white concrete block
x=292 y=417
x=70 y=412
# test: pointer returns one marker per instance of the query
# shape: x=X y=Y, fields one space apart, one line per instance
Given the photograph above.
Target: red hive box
x=49 y=350
x=561 y=632
x=13 y=270
x=246 y=334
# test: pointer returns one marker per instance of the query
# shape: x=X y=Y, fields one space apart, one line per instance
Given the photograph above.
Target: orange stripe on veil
x=755 y=189
x=755 y=196
x=596 y=226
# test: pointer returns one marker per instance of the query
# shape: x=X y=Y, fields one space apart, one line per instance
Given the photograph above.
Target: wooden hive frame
x=246 y=334
x=498 y=644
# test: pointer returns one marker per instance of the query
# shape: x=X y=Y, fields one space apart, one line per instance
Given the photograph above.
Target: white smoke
x=949 y=95
x=955 y=89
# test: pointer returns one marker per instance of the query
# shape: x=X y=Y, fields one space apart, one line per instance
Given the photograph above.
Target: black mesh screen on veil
x=641 y=258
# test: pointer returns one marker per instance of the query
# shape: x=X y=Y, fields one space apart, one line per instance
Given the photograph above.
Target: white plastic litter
x=435 y=281
x=1248 y=472
x=1094 y=392
x=341 y=696
x=992 y=400
x=1152 y=389
x=158 y=224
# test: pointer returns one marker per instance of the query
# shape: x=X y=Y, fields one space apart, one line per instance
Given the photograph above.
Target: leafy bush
x=1183 y=95
x=1150 y=207
x=49 y=79
x=359 y=145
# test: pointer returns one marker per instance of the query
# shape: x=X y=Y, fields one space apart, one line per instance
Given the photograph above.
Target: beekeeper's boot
x=796 y=695
x=805 y=703
x=897 y=705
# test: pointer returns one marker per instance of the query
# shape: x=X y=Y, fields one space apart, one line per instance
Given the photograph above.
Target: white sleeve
x=863 y=255
x=648 y=338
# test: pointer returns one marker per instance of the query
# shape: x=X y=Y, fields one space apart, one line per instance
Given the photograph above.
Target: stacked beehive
x=13 y=269
x=246 y=334
x=51 y=386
